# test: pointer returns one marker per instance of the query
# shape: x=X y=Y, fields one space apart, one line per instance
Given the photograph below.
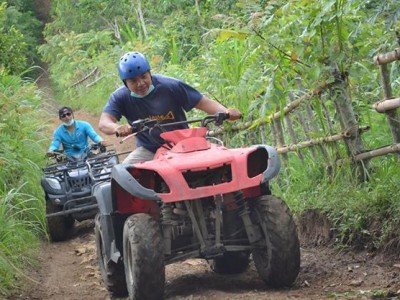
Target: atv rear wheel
x=59 y=227
x=232 y=262
x=279 y=263
x=144 y=257
x=112 y=273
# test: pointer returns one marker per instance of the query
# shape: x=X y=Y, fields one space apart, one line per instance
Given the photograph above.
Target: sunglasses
x=65 y=115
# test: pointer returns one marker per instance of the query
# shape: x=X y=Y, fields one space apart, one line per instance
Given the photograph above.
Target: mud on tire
x=59 y=227
x=112 y=273
x=278 y=265
x=144 y=257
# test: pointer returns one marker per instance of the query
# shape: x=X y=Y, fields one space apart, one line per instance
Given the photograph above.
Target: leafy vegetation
x=22 y=219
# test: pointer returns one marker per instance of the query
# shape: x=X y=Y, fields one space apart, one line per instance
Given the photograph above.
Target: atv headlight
x=54 y=183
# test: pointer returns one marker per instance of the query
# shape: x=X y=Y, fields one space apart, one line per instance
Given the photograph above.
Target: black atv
x=68 y=182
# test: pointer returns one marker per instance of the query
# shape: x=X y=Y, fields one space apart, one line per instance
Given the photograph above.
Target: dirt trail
x=69 y=271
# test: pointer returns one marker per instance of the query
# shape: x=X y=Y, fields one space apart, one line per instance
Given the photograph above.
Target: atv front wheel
x=278 y=263
x=59 y=227
x=112 y=273
x=144 y=257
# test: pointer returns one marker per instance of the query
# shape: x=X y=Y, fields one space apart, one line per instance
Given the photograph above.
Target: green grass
x=22 y=213
x=363 y=214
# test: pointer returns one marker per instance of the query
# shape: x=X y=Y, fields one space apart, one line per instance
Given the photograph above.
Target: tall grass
x=22 y=213
x=363 y=214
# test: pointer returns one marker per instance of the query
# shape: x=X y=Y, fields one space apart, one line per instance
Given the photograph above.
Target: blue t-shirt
x=166 y=103
x=74 y=143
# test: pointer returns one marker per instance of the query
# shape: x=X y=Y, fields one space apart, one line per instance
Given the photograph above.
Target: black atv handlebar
x=64 y=162
x=60 y=155
x=146 y=124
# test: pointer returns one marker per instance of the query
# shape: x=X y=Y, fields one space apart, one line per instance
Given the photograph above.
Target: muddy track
x=69 y=271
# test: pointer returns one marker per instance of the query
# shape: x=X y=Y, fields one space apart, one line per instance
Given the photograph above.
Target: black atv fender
x=125 y=180
x=102 y=192
x=274 y=163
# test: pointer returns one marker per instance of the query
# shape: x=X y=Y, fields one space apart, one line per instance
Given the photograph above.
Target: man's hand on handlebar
x=123 y=130
x=234 y=114
x=51 y=154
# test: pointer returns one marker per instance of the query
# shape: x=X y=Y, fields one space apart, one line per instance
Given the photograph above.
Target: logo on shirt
x=168 y=116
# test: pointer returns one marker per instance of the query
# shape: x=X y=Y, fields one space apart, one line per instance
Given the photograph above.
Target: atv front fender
x=274 y=163
x=121 y=176
x=102 y=192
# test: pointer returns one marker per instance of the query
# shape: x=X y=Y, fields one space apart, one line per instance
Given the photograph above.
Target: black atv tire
x=113 y=274
x=144 y=257
x=278 y=265
x=232 y=262
x=58 y=227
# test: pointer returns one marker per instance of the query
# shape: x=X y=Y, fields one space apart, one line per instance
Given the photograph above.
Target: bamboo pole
x=84 y=78
x=314 y=128
x=383 y=59
x=385 y=105
x=347 y=134
x=292 y=135
x=303 y=123
x=280 y=139
x=347 y=118
x=287 y=109
x=306 y=131
x=395 y=148
x=392 y=116
x=330 y=126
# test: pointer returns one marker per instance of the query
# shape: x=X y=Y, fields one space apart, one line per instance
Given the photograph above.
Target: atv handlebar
x=142 y=125
x=60 y=162
x=60 y=156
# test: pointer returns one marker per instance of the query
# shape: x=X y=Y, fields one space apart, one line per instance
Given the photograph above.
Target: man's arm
x=211 y=107
x=109 y=125
x=94 y=136
x=55 y=142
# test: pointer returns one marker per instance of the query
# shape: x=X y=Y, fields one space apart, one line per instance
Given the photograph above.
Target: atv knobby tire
x=279 y=263
x=144 y=257
x=112 y=273
x=231 y=262
x=59 y=227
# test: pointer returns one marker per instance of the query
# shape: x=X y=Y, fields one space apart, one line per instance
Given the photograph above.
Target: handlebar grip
x=221 y=117
x=132 y=130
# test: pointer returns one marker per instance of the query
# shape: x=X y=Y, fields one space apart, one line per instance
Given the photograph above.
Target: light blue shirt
x=77 y=139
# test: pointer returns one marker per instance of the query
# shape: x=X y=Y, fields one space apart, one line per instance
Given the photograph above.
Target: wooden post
x=280 y=139
x=392 y=116
x=314 y=128
x=330 y=126
x=347 y=119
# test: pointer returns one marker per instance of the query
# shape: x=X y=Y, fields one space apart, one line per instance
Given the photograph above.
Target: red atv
x=195 y=199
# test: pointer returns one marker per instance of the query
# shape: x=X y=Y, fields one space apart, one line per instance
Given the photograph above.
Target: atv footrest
x=73 y=210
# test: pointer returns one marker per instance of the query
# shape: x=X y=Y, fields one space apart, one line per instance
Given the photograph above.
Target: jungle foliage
x=22 y=217
x=248 y=54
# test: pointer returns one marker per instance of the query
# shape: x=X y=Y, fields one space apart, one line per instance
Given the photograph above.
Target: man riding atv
x=151 y=96
x=71 y=174
x=72 y=134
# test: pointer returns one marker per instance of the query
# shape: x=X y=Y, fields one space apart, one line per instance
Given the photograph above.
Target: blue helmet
x=132 y=64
